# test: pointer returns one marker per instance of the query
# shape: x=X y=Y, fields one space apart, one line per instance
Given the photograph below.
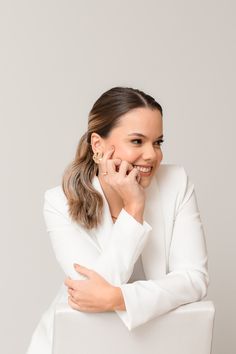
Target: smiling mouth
x=143 y=168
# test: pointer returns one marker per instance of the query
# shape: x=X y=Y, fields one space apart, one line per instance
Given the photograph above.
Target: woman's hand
x=94 y=294
x=124 y=179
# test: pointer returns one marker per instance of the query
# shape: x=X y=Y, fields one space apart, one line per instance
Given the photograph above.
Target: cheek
x=160 y=155
x=124 y=153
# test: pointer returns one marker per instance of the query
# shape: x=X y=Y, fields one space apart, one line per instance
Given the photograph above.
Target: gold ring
x=105 y=173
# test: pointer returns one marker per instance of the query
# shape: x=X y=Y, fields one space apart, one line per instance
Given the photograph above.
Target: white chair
x=185 y=330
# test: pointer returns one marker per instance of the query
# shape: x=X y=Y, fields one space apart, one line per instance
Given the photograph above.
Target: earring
x=97 y=156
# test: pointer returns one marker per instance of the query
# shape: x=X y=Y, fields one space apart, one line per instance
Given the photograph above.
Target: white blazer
x=171 y=242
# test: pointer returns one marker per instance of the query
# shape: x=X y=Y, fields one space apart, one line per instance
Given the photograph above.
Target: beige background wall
x=57 y=57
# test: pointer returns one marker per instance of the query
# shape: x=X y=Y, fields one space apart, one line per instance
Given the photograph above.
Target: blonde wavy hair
x=84 y=201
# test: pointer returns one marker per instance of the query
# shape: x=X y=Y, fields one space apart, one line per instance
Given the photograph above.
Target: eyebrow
x=143 y=136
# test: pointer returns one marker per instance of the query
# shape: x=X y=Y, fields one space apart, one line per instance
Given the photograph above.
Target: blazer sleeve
x=187 y=280
x=72 y=244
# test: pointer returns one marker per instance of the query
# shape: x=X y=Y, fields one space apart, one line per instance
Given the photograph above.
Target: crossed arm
x=95 y=282
x=94 y=294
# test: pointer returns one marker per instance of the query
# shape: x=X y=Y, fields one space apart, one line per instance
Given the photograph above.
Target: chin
x=145 y=182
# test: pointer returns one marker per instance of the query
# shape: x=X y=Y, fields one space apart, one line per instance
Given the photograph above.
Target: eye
x=159 y=142
x=139 y=141
x=136 y=140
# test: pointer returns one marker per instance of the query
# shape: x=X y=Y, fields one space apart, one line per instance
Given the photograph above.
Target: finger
x=81 y=308
x=71 y=292
x=83 y=270
x=125 y=167
x=74 y=296
x=107 y=155
x=112 y=166
x=70 y=283
x=73 y=304
x=135 y=174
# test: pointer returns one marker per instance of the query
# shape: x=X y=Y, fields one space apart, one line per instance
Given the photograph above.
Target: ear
x=97 y=143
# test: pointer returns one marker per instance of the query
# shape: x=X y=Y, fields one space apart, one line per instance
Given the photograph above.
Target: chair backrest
x=187 y=329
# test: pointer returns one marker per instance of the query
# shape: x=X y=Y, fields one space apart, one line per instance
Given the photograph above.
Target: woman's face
x=137 y=140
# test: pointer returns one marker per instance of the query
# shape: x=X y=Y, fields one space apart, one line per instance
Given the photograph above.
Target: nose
x=151 y=153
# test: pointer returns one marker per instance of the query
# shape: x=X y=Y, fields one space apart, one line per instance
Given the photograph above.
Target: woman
x=117 y=208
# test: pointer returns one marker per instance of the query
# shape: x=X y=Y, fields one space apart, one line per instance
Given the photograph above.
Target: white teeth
x=143 y=169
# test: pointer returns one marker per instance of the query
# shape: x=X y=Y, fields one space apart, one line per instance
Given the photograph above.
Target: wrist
x=135 y=211
x=117 y=299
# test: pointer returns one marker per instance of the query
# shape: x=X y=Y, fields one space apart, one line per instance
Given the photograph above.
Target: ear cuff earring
x=97 y=157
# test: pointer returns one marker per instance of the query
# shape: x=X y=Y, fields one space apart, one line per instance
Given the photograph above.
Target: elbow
x=205 y=285
x=200 y=282
x=203 y=292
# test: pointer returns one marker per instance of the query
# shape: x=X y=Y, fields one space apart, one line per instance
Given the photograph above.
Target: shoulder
x=56 y=198
x=173 y=180
x=171 y=174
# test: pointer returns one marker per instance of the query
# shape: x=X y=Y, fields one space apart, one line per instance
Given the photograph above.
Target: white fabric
x=185 y=330
x=170 y=241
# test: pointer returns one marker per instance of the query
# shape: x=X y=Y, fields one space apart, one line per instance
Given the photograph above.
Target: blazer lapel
x=154 y=253
x=103 y=231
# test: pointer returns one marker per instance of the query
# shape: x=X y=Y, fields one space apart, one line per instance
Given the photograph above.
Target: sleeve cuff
x=125 y=219
x=125 y=315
